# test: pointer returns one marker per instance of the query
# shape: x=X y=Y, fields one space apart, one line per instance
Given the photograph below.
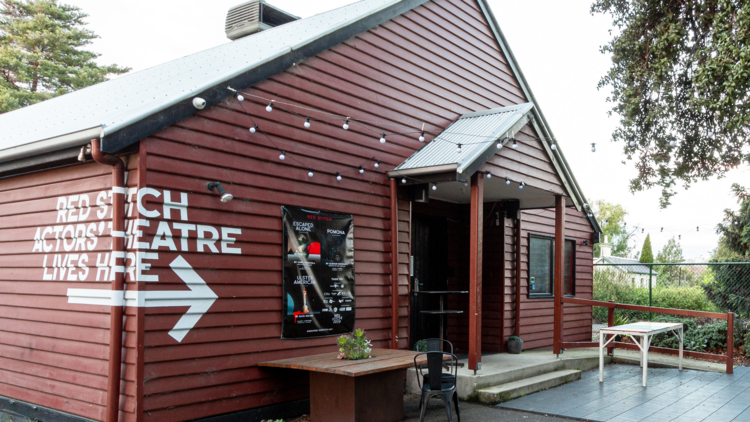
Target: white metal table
x=645 y=330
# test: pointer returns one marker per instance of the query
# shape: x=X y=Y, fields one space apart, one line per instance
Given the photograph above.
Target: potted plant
x=354 y=346
x=514 y=345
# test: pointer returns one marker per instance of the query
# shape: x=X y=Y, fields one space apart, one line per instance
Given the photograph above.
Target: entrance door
x=429 y=250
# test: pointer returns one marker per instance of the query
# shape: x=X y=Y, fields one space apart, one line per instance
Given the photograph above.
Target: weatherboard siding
x=53 y=353
x=428 y=66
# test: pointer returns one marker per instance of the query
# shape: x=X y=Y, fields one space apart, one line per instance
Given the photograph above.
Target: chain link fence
x=708 y=287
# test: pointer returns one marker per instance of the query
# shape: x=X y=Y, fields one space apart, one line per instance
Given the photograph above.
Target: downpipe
x=118 y=278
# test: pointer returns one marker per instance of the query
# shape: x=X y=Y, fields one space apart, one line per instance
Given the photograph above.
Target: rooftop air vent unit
x=254 y=16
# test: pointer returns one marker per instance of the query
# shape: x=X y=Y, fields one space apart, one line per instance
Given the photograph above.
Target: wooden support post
x=610 y=323
x=559 y=272
x=394 y=264
x=475 y=271
x=517 y=312
x=730 y=343
x=503 y=271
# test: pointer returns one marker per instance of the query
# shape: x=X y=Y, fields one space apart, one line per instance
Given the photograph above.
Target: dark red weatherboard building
x=107 y=221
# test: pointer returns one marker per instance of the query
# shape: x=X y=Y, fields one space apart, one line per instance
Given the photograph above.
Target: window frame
x=550 y=295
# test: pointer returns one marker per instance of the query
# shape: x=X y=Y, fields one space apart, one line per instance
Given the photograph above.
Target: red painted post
x=730 y=343
x=475 y=271
x=610 y=323
x=394 y=264
x=517 y=314
x=559 y=273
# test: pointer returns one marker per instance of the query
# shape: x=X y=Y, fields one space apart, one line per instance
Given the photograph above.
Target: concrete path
x=671 y=395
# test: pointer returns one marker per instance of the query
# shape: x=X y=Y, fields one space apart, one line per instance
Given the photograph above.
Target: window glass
x=540 y=266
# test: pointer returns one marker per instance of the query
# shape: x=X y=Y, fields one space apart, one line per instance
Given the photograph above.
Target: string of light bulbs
x=273 y=105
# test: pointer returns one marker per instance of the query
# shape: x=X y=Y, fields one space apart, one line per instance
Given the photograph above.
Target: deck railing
x=729 y=317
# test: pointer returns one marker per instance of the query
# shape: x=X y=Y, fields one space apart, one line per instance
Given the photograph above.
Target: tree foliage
x=647 y=256
x=735 y=229
x=41 y=53
x=611 y=217
x=680 y=79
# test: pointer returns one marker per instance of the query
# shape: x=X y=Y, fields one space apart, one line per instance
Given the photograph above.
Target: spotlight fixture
x=225 y=196
x=86 y=149
x=585 y=242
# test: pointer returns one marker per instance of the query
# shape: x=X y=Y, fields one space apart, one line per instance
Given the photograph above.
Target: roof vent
x=254 y=16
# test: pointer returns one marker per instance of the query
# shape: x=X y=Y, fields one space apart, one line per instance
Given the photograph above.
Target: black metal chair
x=434 y=345
x=435 y=386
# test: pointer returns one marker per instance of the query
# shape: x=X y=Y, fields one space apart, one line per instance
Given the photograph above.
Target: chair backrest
x=433 y=345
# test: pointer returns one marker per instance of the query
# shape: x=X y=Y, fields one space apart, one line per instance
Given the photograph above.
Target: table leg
x=441 y=322
x=376 y=397
x=644 y=345
x=601 y=357
x=681 y=340
x=641 y=352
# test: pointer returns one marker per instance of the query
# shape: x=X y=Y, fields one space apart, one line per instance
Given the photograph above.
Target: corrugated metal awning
x=477 y=134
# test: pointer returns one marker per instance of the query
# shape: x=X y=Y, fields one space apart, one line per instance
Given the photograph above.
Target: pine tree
x=647 y=256
x=41 y=55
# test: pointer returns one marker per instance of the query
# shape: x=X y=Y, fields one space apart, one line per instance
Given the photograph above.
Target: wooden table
x=646 y=331
x=367 y=390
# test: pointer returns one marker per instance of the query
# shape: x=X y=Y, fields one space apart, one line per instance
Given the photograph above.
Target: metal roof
x=102 y=109
x=440 y=155
x=626 y=264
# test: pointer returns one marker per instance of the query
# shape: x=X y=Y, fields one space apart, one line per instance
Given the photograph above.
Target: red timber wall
x=54 y=229
x=429 y=66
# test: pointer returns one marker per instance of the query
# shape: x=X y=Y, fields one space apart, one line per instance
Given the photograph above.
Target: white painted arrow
x=199 y=298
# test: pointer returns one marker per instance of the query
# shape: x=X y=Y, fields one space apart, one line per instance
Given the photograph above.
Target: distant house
x=638 y=272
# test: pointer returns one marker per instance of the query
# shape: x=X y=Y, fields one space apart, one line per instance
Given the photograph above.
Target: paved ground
x=471 y=412
x=671 y=395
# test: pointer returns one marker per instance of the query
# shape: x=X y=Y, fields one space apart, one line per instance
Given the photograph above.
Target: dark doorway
x=429 y=237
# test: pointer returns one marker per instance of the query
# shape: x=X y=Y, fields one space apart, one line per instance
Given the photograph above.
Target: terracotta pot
x=514 y=346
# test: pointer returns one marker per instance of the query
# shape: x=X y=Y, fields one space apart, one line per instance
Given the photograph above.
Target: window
x=542 y=267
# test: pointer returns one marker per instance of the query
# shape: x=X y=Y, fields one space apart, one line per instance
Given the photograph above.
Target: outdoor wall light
x=225 y=196
x=585 y=242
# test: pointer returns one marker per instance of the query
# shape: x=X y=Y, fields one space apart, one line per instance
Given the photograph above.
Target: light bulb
x=403 y=180
x=499 y=144
x=489 y=175
x=346 y=124
x=377 y=164
x=521 y=185
x=515 y=144
x=553 y=147
x=421 y=137
x=253 y=129
x=710 y=133
x=632 y=143
x=593 y=147
x=240 y=98
x=662 y=230
x=642 y=230
x=382 y=138
x=458 y=149
x=434 y=186
x=310 y=173
x=507 y=182
x=307 y=122
x=338 y=176
x=672 y=143
x=679 y=237
x=269 y=107
x=361 y=170
x=282 y=156
x=698 y=229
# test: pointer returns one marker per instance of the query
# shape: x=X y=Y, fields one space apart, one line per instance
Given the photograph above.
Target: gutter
x=118 y=278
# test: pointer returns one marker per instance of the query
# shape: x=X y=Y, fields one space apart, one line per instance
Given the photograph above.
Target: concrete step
x=509 y=391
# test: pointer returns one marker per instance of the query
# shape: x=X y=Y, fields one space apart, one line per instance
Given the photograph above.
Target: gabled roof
x=625 y=264
x=110 y=109
x=440 y=154
x=127 y=109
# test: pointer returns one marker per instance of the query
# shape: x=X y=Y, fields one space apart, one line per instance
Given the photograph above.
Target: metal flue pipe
x=117 y=277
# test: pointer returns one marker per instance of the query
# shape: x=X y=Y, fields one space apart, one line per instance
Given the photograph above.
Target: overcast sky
x=557 y=46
